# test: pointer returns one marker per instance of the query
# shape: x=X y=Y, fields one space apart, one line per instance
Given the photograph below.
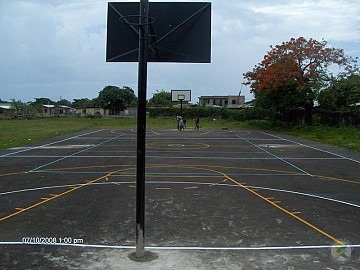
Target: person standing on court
x=197 y=123
x=181 y=123
x=178 y=122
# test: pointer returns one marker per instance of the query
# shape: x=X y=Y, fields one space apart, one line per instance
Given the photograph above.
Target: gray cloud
x=57 y=48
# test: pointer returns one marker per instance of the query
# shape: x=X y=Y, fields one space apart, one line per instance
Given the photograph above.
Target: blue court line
x=277 y=157
x=314 y=148
x=78 y=152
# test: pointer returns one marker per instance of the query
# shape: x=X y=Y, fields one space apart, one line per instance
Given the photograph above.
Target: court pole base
x=147 y=257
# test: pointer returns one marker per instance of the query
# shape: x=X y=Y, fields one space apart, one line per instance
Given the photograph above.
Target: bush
x=244 y=114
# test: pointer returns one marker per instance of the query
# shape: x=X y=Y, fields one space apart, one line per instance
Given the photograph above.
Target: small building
x=231 y=102
x=130 y=111
x=57 y=110
x=92 y=111
x=7 y=111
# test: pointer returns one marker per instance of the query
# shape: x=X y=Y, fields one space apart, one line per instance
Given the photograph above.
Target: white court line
x=166 y=157
x=73 y=154
x=48 y=144
x=277 y=157
x=178 y=157
x=186 y=183
x=187 y=248
x=314 y=148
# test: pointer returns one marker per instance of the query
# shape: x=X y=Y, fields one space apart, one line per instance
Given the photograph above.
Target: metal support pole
x=181 y=107
x=141 y=129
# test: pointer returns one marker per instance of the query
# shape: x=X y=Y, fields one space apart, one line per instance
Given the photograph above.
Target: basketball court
x=215 y=199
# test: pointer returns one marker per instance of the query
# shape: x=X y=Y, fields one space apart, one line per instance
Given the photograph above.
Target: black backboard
x=178 y=32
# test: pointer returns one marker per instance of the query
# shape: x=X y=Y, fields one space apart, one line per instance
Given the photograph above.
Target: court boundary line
x=183 y=183
x=276 y=156
x=269 y=248
x=63 y=140
x=78 y=152
x=314 y=148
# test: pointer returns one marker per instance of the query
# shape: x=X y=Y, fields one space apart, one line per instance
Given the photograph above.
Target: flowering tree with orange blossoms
x=291 y=74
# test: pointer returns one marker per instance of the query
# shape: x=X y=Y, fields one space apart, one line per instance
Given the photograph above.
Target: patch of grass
x=344 y=137
x=20 y=132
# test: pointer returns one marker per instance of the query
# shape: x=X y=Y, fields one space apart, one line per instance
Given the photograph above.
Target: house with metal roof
x=57 y=110
x=6 y=110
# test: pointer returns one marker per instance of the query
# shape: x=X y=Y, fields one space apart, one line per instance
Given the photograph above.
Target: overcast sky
x=54 y=48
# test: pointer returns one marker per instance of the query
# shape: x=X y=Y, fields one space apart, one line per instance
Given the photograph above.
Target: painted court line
x=78 y=152
x=189 y=248
x=184 y=183
x=48 y=144
x=314 y=148
x=277 y=157
x=166 y=157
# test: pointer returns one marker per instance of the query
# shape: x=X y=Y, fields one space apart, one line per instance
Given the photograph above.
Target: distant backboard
x=178 y=32
x=181 y=95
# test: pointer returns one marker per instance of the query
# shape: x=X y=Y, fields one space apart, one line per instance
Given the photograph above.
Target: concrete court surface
x=215 y=199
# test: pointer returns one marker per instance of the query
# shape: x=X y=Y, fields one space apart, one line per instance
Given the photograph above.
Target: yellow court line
x=155 y=132
x=336 y=179
x=191 y=187
x=207 y=132
x=168 y=176
x=45 y=200
x=14 y=173
x=287 y=212
x=91 y=167
x=204 y=167
x=276 y=205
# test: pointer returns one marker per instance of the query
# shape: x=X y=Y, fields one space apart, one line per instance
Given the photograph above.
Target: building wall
x=56 y=110
x=92 y=111
x=7 y=113
x=229 y=101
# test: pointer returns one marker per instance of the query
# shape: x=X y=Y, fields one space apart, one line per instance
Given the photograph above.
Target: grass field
x=20 y=132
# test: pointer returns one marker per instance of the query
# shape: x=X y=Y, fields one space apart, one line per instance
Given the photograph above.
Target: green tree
x=64 y=102
x=43 y=101
x=116 y=99
x=346 y=90
x=18 y=106
x=292 y=74
x=161 y=98
x=83 y=103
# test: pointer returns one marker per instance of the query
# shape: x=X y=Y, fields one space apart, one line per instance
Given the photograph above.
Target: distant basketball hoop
x=181 y=95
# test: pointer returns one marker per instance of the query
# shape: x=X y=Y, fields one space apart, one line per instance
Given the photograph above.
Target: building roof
x=6 y=107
